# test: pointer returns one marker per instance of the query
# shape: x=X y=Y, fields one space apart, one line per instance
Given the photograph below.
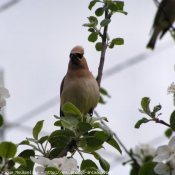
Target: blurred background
x=35 y=41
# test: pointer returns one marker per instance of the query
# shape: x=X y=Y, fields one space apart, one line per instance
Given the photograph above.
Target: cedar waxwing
x=164 y=19
x=79 y=86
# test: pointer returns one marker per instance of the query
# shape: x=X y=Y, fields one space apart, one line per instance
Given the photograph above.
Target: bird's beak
x=74 y=59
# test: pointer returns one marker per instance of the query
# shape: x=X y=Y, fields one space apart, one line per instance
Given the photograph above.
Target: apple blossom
x=144 y=153
x=171 y=89
x=67 y=166
x=4 y=93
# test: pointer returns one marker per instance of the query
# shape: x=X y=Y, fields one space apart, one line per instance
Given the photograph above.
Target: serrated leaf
x=168 y=132
x=147 y=168
x=71 y=109
x=98 y=46
x=19 y=160
x=141 y=121
x=105 y=22
x=99 y=11
x=1 y=120
x=87 y=163
x=84 y=127
x=118 y=41
x=93 y=142
x=37 y=129
x=43 y=139
x=93 y=37
x=7 y=149
x=172 y=120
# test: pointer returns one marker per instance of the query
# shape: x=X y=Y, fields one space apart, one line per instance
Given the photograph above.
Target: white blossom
x=67 y=166
x=4 y=93
x=171 y=89
x=143 y=153
x=166 y=152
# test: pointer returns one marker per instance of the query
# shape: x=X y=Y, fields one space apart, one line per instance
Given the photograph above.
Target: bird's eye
x=79 y=55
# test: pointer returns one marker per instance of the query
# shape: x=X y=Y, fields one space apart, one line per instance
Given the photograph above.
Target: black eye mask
x=78 y=55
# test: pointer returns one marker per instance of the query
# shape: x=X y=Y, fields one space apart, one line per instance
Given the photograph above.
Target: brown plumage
x=79 y=86
x=164 y=19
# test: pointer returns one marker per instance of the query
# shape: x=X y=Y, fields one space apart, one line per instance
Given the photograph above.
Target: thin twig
x=162 y=122
x=119 y=141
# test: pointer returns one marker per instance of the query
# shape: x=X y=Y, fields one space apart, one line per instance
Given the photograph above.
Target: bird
x=79 y=86
x=164 y=19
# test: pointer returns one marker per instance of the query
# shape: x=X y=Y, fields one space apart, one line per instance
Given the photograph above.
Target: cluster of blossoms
x=64 y=164
x=166 y=158
x=144 y=153
x=171 y=89
x=4 y=93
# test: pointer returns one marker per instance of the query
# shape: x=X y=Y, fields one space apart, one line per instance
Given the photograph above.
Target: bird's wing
x=61 y=89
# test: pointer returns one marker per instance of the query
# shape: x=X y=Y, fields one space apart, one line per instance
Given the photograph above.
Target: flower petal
x=160 y=168
x=40 y=170
x=4 y=92
x=172 y=144
x=41 y=160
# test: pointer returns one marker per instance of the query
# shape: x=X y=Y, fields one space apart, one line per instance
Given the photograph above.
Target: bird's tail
x=153 y=39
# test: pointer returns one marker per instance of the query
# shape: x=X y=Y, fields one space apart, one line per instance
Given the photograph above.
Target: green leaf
x=37 y=129
x=91 y=4
x=99 y=11
x=98 y=46
x=52 y=170
x=104 y=92
x=93 y=141
x=93 y=37
x=87 y=163
x=148 y=168
x=111 y=45
x=67 y=133
x=141 y=121
x=91 y=30
x=56 y=151
x=120 y=4
x=145 y=105
x=71 y=109
x=93 y=20
x=7 y=149
x=43 y=139
x=123 y=12
x=113 y=7
x=59 y=141
x=104 y=164
x=105 y=22
x=172 y=120
x=114 y=143
x=168 y=132
x=1 y=120
x=58 y=123
x=118 y=41
x=19 y=160
x=69 y=122
x=106 y=130
x=27 y=153
x=100 y=135
x=101 y=100
x=84 y=127
x=28 y=167
x=24 y=142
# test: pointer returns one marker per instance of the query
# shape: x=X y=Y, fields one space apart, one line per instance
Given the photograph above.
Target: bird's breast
x=82 y=92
